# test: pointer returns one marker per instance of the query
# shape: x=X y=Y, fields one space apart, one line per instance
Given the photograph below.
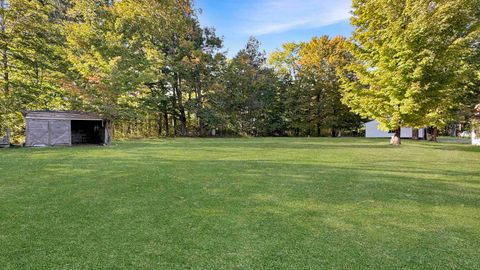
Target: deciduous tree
x=414 y=60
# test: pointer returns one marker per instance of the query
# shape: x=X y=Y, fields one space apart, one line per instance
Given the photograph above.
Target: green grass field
x=268 y=203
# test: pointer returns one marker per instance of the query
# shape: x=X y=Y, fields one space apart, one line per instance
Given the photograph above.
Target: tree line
x=152 y=68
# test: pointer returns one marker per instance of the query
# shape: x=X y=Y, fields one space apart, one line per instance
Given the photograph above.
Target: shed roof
x=62 y=115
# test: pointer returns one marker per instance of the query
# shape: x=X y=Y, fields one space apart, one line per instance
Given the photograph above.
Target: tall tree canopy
x=152 y=68
x=248 y=102
x=31 y=59
x=312 y=92
x=416 y=61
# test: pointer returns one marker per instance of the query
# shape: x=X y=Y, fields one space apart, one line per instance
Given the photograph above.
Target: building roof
x=62 y=115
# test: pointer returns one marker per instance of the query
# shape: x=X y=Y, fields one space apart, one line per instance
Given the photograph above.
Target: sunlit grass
x=267 y=203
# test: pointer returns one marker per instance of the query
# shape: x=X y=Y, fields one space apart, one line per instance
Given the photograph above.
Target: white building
x=372 y=131
x=476 y=130
x=475 y=138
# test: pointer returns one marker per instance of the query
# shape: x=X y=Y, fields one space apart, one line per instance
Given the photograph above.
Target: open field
x=268 y=203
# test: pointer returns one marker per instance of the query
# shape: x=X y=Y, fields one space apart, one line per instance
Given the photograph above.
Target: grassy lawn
x=268 y=203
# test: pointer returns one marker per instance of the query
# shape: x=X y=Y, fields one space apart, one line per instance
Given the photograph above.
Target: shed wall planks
x=42 y=132
x=37 y=132
x=60 y=132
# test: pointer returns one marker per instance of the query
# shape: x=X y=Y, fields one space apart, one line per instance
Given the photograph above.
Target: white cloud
x=276 y=16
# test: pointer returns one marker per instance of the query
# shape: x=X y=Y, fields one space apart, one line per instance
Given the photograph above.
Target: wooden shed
x=65 y=128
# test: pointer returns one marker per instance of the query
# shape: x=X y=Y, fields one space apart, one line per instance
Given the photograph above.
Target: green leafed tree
x=31 y=59
x=249 y=97
x=312 y=95
x=416 y=61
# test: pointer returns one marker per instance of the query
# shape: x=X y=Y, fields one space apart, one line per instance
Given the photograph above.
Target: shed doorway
x=87 y=132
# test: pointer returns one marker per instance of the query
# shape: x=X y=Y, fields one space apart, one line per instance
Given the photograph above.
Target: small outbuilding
x=65 y=128
x=373 y=131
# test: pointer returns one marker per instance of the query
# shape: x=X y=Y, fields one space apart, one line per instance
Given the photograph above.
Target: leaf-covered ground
x=271 y=203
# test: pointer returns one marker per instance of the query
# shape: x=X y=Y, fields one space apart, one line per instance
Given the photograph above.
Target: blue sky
x=274 y=22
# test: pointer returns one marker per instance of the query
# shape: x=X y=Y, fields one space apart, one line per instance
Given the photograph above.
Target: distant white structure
x=476 y=130
x=372 y=131
x=475 y=138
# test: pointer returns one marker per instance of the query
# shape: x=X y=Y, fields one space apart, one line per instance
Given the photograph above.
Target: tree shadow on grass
x=290 y=144
x=456 y=147
x=247 y=144
x=331 y=182
x=133 y=197
x=239 y=179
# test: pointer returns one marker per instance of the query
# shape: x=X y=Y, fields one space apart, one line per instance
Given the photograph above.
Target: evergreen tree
x=249 y=98
x=313 y=97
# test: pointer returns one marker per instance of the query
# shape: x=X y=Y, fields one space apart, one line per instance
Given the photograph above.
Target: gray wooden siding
x=107 y=137
x=60 y=132
x=62 y=115
x=41 y=132
x=37 y=133
x=54 y=128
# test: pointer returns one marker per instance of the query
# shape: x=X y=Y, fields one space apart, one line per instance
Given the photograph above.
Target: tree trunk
x=199 y=97
x=318 y=114
x=159 y=124
x=334 y=132
x=167 y=127
x=188 y=101
x=6 y=74
x=415 y=133
x=181 y=107
x=434 y=135
x=6 y=87
x=453 y=130
x=174 y=125
x=395 y=140
x=129 y=128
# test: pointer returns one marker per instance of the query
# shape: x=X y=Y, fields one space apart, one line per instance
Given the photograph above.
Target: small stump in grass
x=395 y=140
